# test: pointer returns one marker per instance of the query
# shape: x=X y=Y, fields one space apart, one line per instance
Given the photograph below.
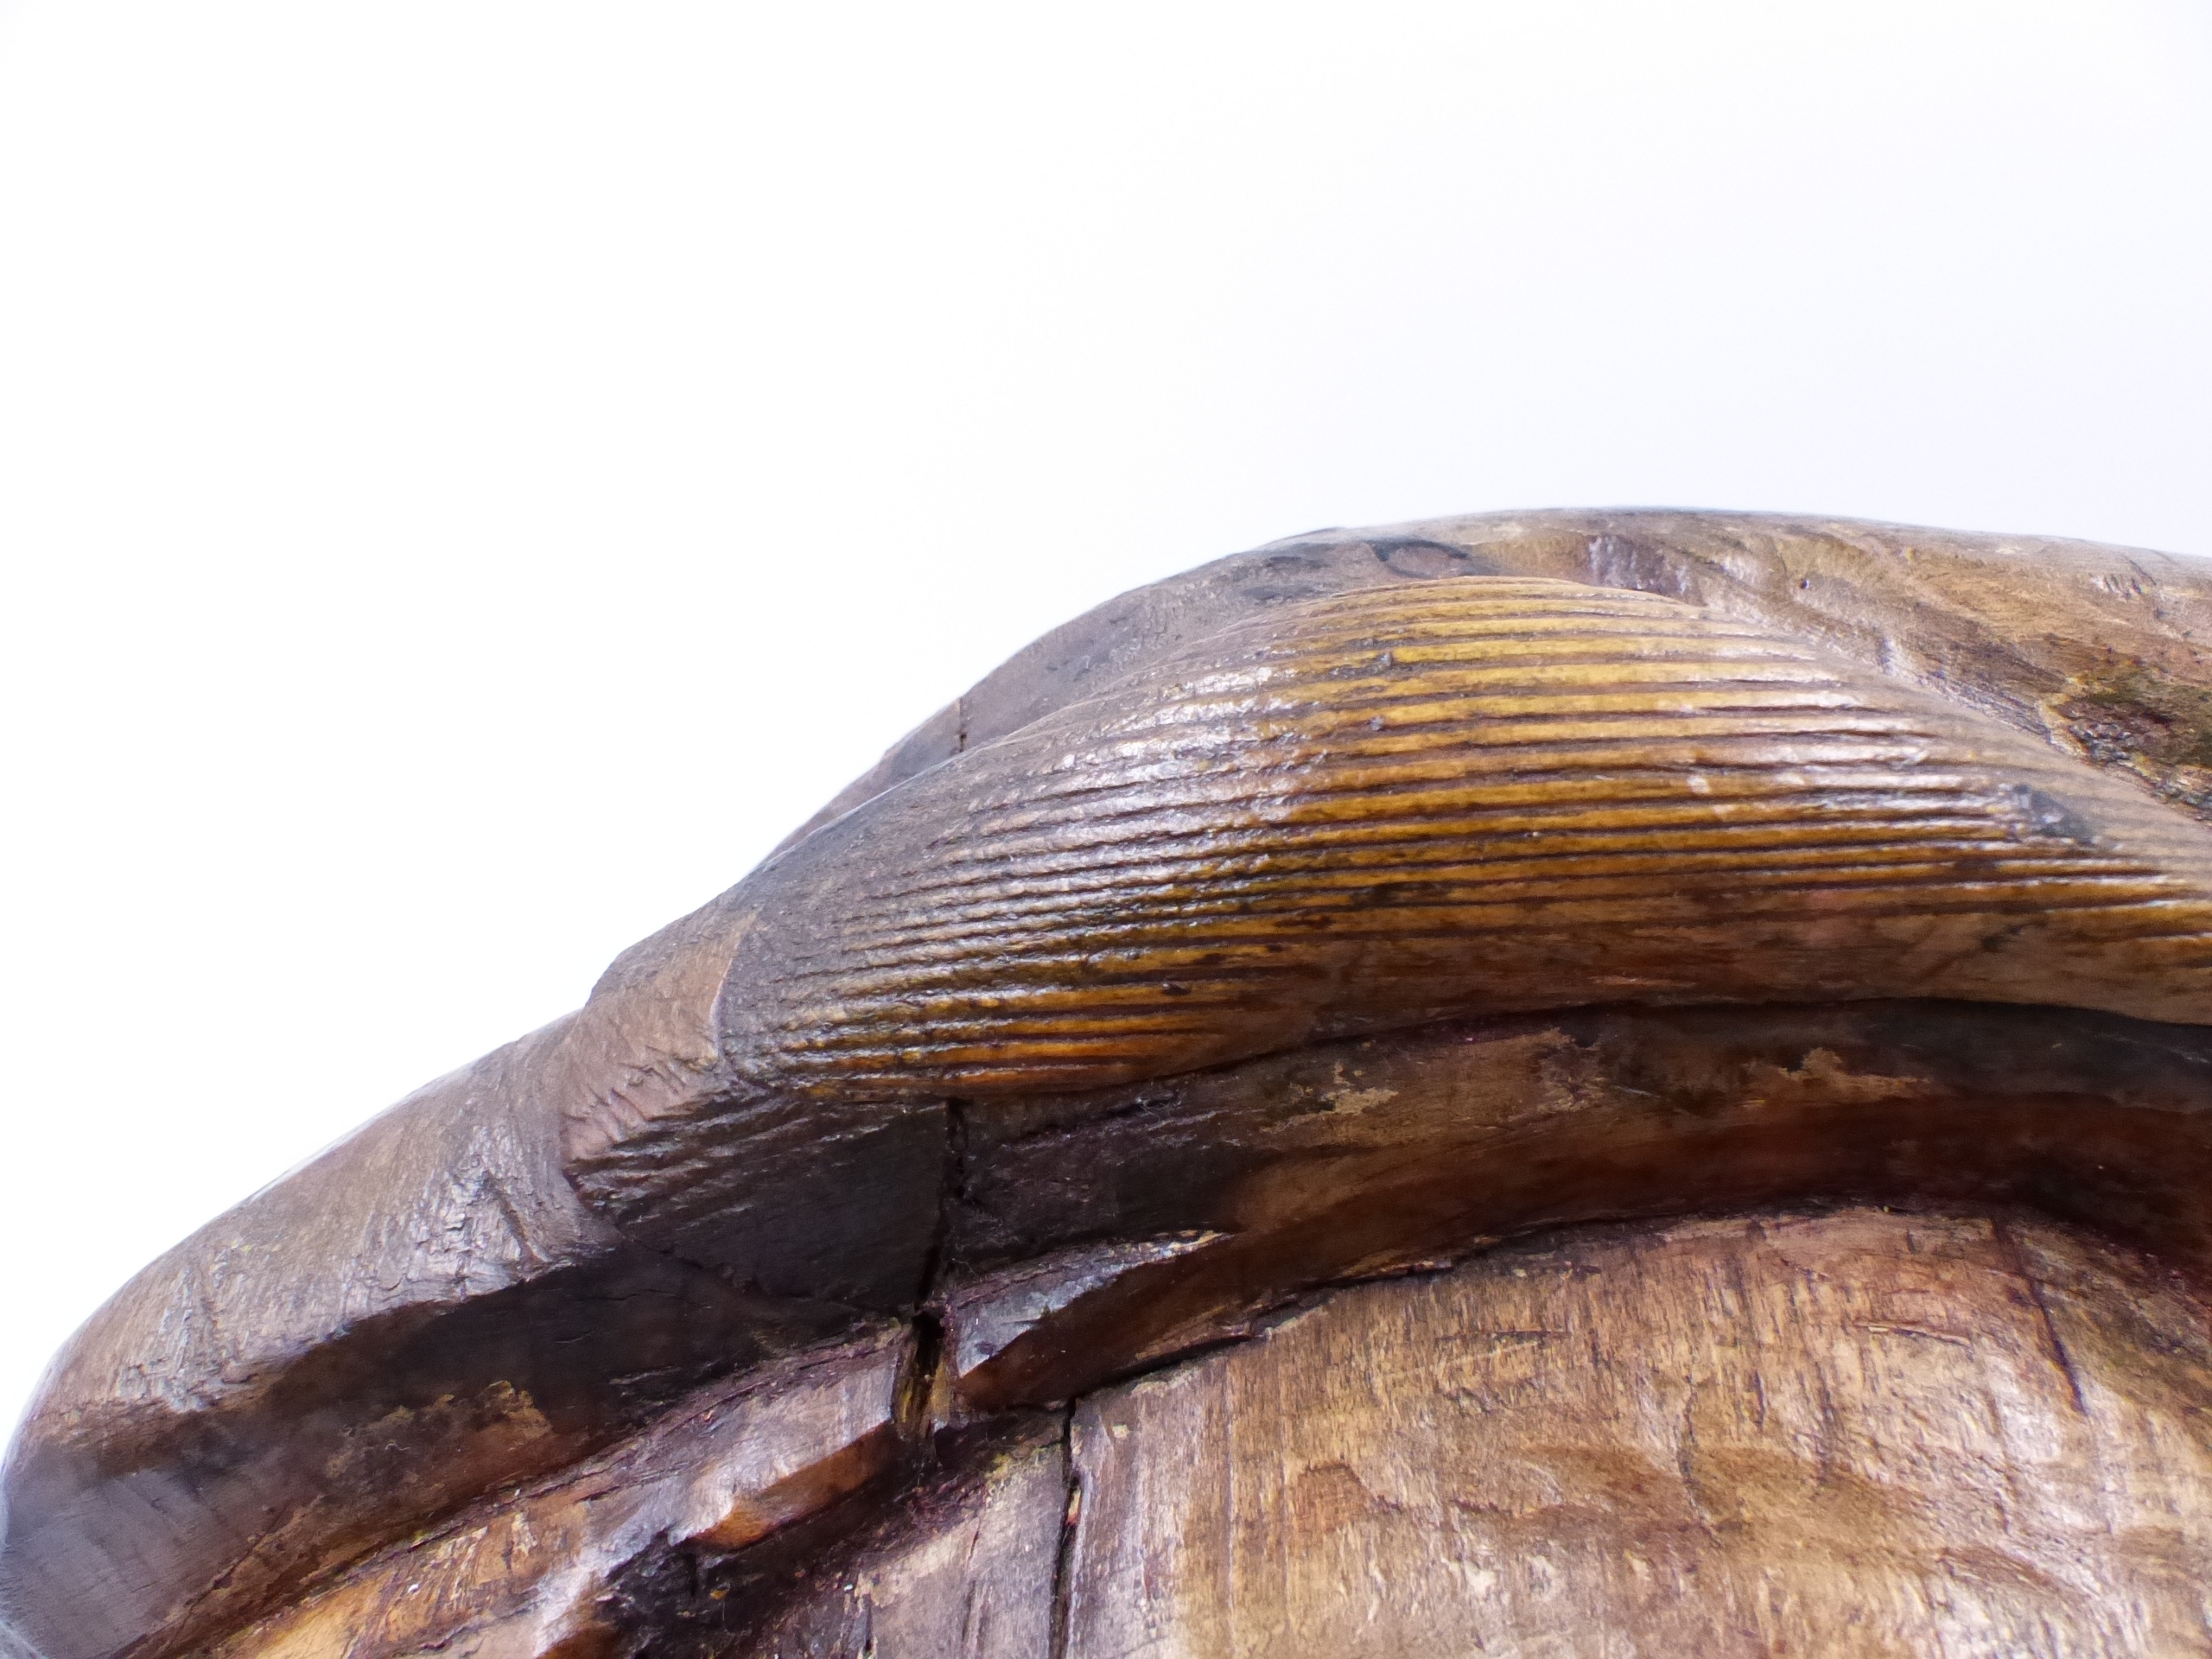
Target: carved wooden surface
x=1855 y=1434
x=969 y=1565
x=1333 y=910
x=543 y=1569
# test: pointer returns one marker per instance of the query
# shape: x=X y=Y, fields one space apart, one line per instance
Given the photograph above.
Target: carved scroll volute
x=1734 y=995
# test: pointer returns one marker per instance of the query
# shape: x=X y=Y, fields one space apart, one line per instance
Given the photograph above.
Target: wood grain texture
x=422 y=1313
x=962 y=1567
x=1391 y=808
x=1847 y=1435
x=2101 y=650
x=1358 y=1158
x=540 y=1572
x=1164 y=1215
x=1122 y=1003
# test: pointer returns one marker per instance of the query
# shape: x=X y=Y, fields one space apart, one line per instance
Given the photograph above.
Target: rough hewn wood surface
x=1237 y=1185
x=1849 y=1435
x=541 y=1570
x=965 y=1567
x=1408 y=805
x=2101 y=650
x=1213 y=1198
x=1075 y=1022
x=420 y=1315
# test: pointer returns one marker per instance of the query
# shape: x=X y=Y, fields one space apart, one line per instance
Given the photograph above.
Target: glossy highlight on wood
x=1340 y=1103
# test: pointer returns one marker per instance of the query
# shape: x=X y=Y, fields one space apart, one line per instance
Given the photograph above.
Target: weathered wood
x=964 y=1567
x=537 y=1574
x=1854 y=1435
x=1358 y=1158
x=2098 y=649
x=1243 y=1185
x=1383 y=809
x=1270 y=927
x=1839 y=1434
x=423 y=1313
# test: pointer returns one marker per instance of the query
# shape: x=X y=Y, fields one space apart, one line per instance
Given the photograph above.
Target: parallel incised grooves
x=1371 y=902
x=1409 y=804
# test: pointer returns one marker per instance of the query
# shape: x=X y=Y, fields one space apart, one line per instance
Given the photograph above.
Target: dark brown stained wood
x=1051 y=1327
x=1355 y=1157
x=2101 y=650
x=1161 y=1216
x=422 y=1313
x=1385 y=808
x=1094 y=1022
x=534 y=1574
x=1852 y=1434
x=2104 y=651
x=1109 y=643
x=962 y=1568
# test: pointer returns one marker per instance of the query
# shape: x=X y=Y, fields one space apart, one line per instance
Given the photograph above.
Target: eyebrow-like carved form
x=1334 y=911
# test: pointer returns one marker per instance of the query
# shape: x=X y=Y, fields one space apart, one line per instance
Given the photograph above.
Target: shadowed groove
x=1215 y=827
x=1470 y=796
x=1046 y=892
x=1618 y=803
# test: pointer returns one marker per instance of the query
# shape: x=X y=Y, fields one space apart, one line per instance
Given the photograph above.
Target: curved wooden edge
x=535 y=1569
x=1088 y=1238
x=750 y=1503
x=429 y=1285
x=2082 y=643
x=1168 y=1216
x=1416 y=803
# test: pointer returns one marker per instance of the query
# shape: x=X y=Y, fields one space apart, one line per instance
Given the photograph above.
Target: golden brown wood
x=1854 y=1435
x=1243 y=1185
x=2096 y=650
x=964 y=1567
x=1337 y=908
x=541 y=1571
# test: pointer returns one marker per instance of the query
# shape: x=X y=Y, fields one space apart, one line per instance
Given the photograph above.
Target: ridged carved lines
x=1446 y=799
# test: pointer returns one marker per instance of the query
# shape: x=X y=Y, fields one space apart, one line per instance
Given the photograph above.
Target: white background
x=473 y=475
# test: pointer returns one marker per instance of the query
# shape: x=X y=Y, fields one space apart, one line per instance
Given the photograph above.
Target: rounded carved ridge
x=1407 y=803
x=1335 y=908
